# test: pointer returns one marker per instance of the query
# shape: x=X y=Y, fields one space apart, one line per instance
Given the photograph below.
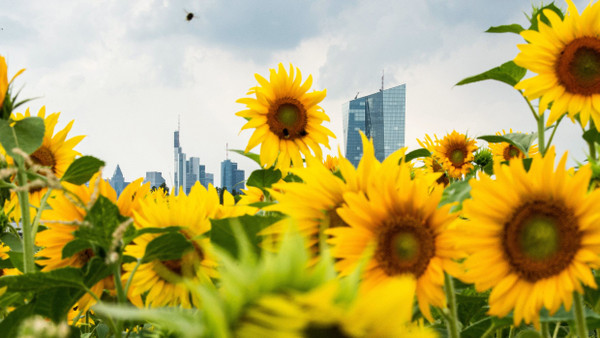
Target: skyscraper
x=117 y=181
x=155 y=178
x=381 y=116
x=187 y=172
x=231 y=177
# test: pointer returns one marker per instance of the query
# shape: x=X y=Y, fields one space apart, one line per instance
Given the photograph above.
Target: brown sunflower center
x=287 y=118
x=176 y=265
x=44 y=157
x=334 y=219
x=404 y=246
x=320 y=331
x=84 y=256
x=541 y=239
x=457 y=157
x=511 y=152
x=436 y=167
x=578 y=66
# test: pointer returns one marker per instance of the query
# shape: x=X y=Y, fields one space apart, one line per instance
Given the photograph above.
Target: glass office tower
x=381 y=116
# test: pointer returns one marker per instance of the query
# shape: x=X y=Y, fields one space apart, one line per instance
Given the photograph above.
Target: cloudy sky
x=126 y=71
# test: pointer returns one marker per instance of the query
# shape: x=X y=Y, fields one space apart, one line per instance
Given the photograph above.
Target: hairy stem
x=452 y=321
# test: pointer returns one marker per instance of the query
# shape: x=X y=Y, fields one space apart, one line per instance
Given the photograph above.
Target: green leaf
x=75 y=246
x=167 y=247
x=103 y=218
x=132 y=233
x=456 y=192
x=16 y=258
x=6 y=264
x=421 y=152
x=264 y=178
x=521 y=141
x=12 y=241
x=592 y=135
x=222 y=233
x=26 y=134
x=36 y=281
x=10 y=325
x=508 y=73
x=540 y=12
x=254 y=157
x=82 y=170
x=514 y=28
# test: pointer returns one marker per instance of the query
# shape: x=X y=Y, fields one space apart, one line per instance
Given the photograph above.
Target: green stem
x=121 y=295
x=38 y=215
x=592 y=144
x=452 y=322
x=541 y=130
x=511 y=332
x=556 y=330
x=535 y=115
x=545 y=331
x=578 y=310
x=554 y=131
x=28 y=250
x=499 y=333
x=126 y=290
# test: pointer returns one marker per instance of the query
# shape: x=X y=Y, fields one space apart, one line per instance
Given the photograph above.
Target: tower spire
x=226 y=150
x=382 y=75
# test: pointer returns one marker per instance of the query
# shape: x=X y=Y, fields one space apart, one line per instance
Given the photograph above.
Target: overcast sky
x=125 y=71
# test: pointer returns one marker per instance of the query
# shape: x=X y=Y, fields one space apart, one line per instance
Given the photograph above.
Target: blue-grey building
x=187 y=171
x=231 y=177
x=381 y=116
x=155 y=178
x=117 y=181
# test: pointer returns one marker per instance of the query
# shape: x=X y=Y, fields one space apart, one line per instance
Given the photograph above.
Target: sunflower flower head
x=56 y=154
x=278 y=296
x=456 y=152
x=504 y=151
x=565 y=55
x=398 y=218
x=433 y=163
x=286 y=117
x=4 y=88
x=531 y=236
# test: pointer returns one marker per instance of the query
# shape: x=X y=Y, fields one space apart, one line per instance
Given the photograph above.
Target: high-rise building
x=155 y=178
x=187 y=172
x=231 y=177
x=117 y=181
x=381 y=116
x=210 y=179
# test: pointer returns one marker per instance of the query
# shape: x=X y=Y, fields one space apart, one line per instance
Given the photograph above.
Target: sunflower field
x=489 y=236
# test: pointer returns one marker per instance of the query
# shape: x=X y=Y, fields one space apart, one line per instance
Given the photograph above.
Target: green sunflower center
x=44 y=157
x=457 y=157
x=541 y=239
x=578 y=66
x=404 y=245
x=287 y=118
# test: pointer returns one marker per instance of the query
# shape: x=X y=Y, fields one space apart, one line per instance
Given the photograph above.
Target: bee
x=189 y=16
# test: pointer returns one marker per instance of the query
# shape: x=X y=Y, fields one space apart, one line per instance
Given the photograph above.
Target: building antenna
x=226 y=150
x=382 y=74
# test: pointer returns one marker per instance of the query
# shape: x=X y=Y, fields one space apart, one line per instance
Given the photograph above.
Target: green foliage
x=82 y=170
x=26 y=134
x=522 y=141
x=508 y=73
x=514 y=28
x=456 y=192
x=223 y=234
x=421 y=152
x=264 y=178
x=538 y=14
x=169 y=246
x=100 y=223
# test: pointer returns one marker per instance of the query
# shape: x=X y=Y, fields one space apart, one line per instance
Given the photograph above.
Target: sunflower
x=64 y=218
x=397 y=217
x=566 y=57
x=432 y=163
x=56 y=153
x=504 y=151
x=164 y=280
x=286 y=118
x=4 y=249
x=455 y=151
x=532 y=236
x=332 y=163
x=313 y=203
x=4 y=83
x=381 y=312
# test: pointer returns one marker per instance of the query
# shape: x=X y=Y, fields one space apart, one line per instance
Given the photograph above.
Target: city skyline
x=105 y=66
